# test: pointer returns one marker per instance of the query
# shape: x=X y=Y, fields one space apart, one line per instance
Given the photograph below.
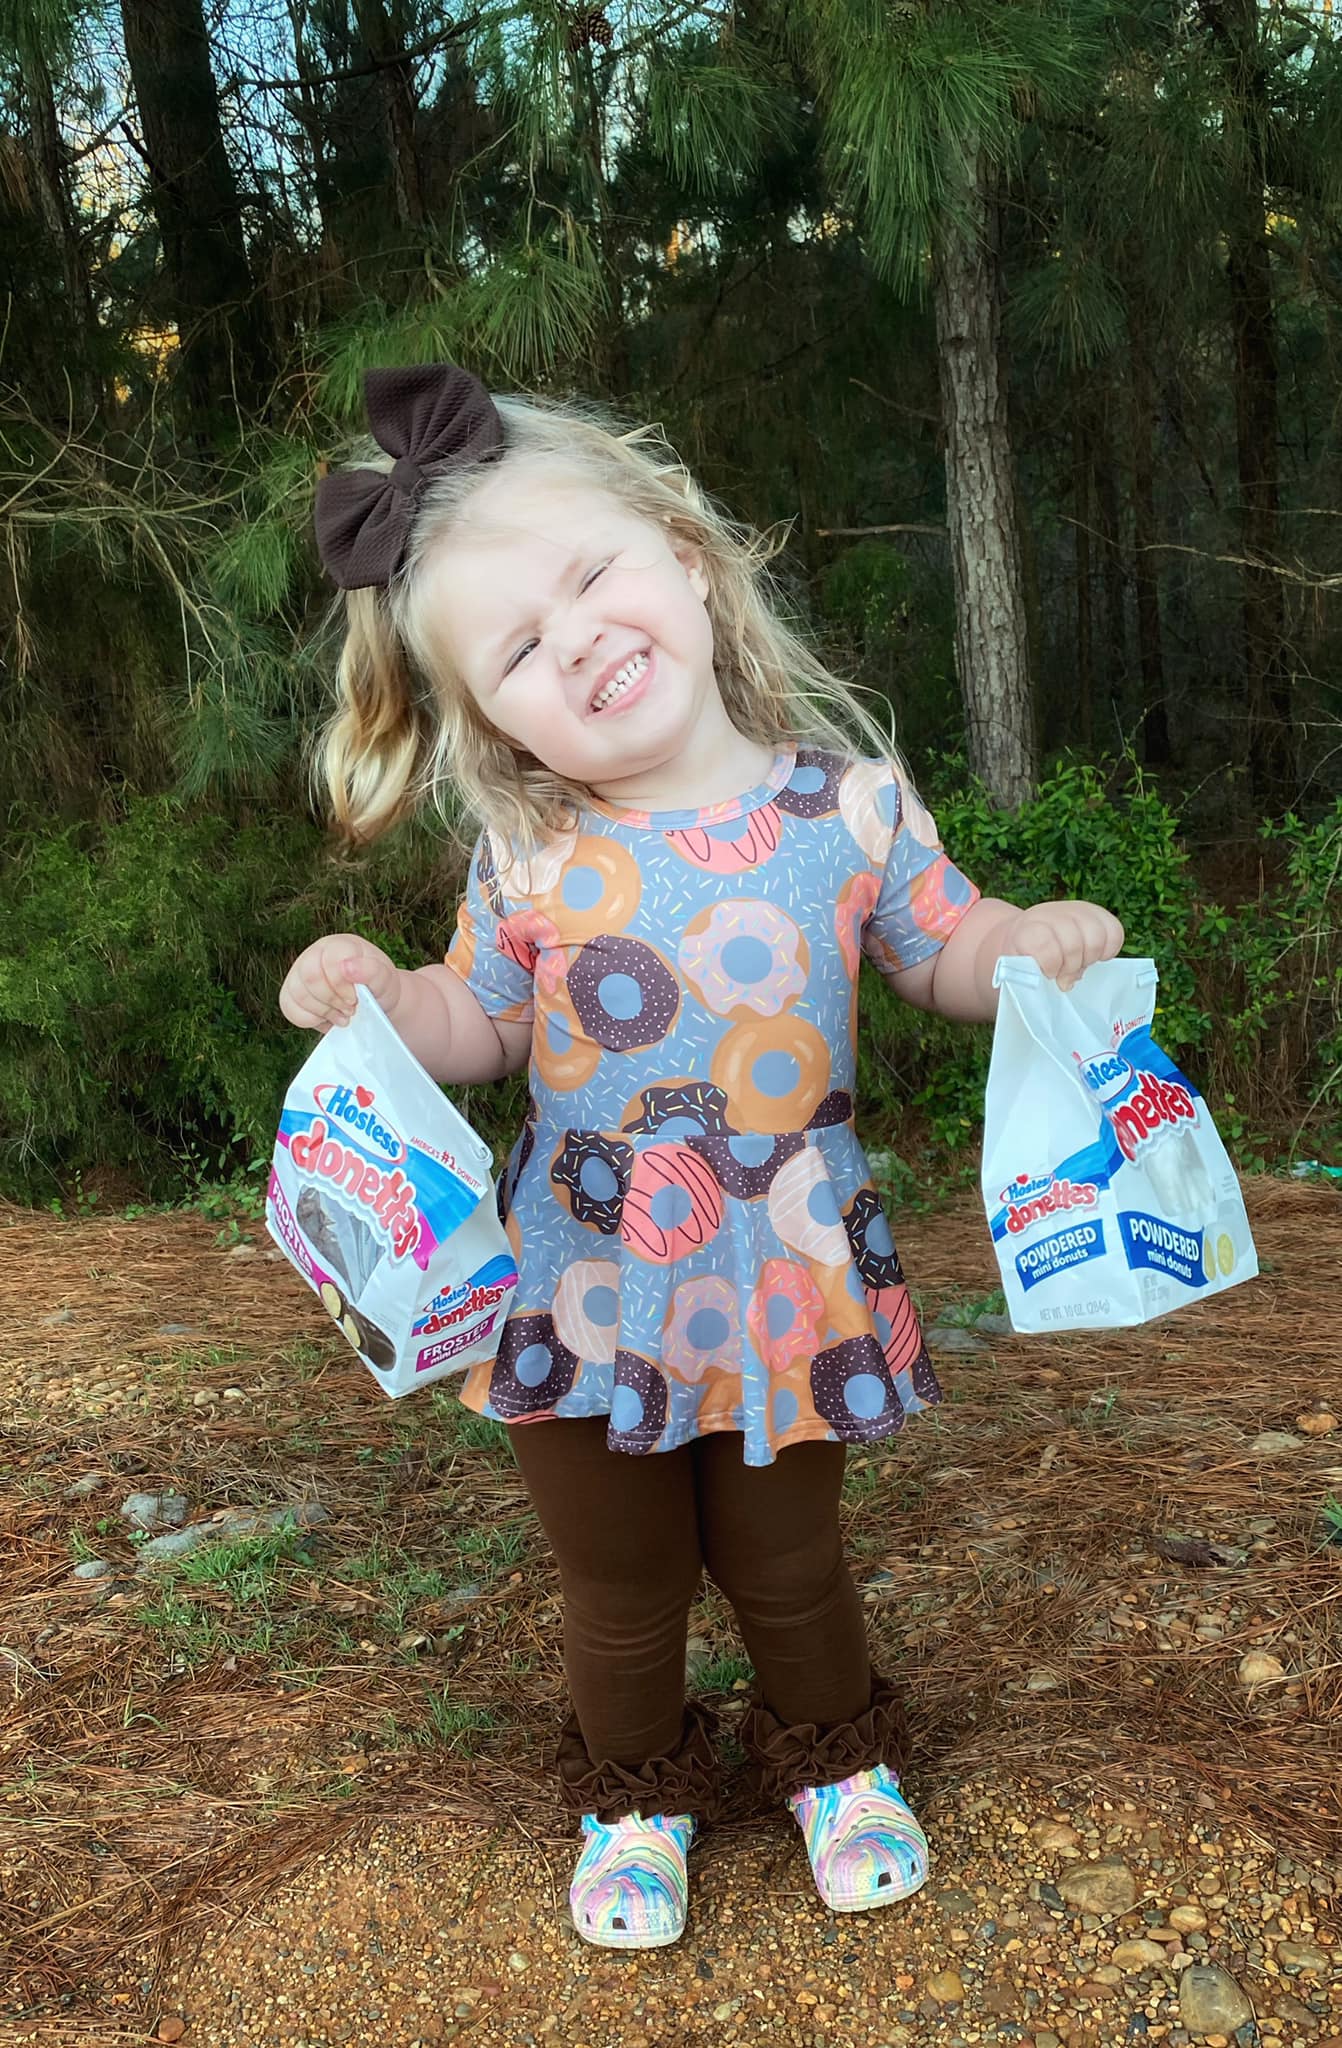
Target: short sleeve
x=922 y=895
x=490 y=949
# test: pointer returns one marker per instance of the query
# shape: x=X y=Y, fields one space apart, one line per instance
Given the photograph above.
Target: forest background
x=1019 y=323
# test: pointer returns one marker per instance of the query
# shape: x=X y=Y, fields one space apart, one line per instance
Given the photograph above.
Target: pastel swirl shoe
x=866 y=1847
x=631 y=1885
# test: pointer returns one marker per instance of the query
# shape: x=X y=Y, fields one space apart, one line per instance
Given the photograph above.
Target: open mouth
x=621 y=683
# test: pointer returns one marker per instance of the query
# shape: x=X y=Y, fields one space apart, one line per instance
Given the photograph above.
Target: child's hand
x=1064 y=938
x=319 y=989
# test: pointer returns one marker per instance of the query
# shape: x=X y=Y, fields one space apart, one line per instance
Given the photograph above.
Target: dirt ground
x=286 y=1790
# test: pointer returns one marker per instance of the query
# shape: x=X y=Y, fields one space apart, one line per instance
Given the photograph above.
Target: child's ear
x=692 y=562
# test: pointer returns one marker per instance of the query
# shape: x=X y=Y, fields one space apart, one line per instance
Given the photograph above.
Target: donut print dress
x=700 y=1246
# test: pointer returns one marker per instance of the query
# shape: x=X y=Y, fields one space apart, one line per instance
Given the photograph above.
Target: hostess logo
x=1107 y=1075
x=352 y=1109
x=1027 y=1200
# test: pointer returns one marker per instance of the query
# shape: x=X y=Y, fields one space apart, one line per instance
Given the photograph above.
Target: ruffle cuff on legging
x=783 y=1760
x=687 y=1781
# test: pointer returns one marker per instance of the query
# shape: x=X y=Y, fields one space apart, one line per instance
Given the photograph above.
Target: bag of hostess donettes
x=1110 y=1195
x=381 y=1195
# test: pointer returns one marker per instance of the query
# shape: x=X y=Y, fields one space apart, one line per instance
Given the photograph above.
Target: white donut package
x=1110 y=1197
x=381 y=1195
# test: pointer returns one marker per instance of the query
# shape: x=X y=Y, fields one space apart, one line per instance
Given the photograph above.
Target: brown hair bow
x=430 y=417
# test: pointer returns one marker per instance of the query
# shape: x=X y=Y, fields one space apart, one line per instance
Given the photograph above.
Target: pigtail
x=370 y=757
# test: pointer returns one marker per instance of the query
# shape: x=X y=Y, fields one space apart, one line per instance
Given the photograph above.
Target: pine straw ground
x=181 y=1744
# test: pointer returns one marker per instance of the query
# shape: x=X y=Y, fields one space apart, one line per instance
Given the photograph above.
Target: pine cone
x=590 y=26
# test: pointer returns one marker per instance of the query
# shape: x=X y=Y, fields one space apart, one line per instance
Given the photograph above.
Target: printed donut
x=533 y=1369
x=597 y=891
x=804 y=1209
x=853 y=1390
x=590 y=1173
x=939 y=898
x=673 y=1206
x=837 y=1108
x=869 y=802
x=786 y=1314
x=682 y=1109
x=586 y=1309
x=534 y=874
x=857 y=899
x=625 y=995
x=812 y=789
x=719 y=1403
x=565 y=1055
x=773 y=1070
x=730 y=847
x=744 y=955
x=702 y=1329
x=530 y=938
x=897 y=1330
x=487 y=875
x=746 y=1162
x=372 y=1344
x=638 y=1407
x=874 y=1252
x=924 y=1379
x=516 y=1166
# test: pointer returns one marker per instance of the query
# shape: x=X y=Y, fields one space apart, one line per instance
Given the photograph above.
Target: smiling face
x=581 y=633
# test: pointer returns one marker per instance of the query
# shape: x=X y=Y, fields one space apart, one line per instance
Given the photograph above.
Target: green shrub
x=141 y=961
x=1250 y=999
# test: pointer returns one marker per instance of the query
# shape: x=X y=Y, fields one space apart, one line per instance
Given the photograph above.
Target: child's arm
x=444 y=1024
x=957 y=981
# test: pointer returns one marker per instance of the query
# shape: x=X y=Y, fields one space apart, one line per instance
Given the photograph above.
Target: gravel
x=432 y=1932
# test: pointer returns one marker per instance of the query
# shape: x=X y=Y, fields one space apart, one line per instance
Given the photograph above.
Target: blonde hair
x=407 y=731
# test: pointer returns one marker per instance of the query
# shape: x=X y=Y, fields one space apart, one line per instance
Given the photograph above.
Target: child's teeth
x=630 y=673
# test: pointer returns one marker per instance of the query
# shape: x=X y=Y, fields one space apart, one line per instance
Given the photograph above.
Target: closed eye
x=592 y=575
x=522 y=652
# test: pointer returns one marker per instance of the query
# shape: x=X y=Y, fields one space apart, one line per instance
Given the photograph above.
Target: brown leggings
x=633 y=1534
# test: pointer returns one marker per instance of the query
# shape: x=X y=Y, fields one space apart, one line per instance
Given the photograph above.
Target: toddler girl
x=690 y=836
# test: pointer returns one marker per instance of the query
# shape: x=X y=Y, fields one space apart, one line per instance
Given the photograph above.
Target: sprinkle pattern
x=865 y=1844
x=631 y=1886
x=691 y=978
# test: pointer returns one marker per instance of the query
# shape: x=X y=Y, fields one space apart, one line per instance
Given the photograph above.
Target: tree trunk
x=1114 y=610
x=195 y=201
x=991 y=636
x=48 y=154
x=1146 y=576
x=395 y=78
x=1271 y=746
x=1085 y=663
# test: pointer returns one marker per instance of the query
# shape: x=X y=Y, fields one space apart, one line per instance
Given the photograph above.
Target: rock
x=517 y=1961
x=952 y=1340
x=1107 y=1974
x=956 y=1902
x=170 y=2028
x=1055 y=1837
x=177 y=1543
x=92 y=1568
x=1042 y=1679
x=242 y=1251
x=993 y=1325
x=204 y=1397
x=1047 y=2039
x=1210 y=2001
x=176 y=1330
x=1187 y=1919
x=697 y=1658
x=155 y=1510
x=62 y=1315
x=1257 y=1668
x=1105 y=1888
x=1318 y=1422
x=945 y=1987
x=1297 y=1956
x=1138 y=1955
x=1272 y=1442
x=80 y=1489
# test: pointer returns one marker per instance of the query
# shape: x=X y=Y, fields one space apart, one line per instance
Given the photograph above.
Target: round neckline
x=785 y=760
